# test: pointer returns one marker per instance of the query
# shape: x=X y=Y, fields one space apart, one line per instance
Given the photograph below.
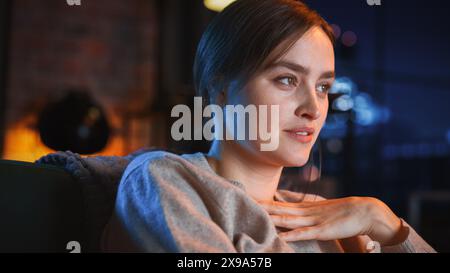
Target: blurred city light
x=349 y=38
x=336 y=30
x=354 y=105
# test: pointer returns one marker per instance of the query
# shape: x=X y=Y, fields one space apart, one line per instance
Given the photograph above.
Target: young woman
x=255 y=52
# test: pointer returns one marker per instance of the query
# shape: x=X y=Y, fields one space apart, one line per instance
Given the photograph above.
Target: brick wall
x=109 y=47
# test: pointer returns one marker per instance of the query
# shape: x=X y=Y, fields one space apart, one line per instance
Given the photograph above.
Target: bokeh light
x=349 y=38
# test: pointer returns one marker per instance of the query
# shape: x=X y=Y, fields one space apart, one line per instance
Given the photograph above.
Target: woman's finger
x=293 y=222
x=286 y=210
x=303 y=234
x=303 y=204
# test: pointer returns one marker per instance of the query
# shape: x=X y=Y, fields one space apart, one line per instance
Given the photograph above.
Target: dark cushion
x=41 y=208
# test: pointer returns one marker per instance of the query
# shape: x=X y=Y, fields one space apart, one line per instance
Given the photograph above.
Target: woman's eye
x=288 y=81
x=324 y=88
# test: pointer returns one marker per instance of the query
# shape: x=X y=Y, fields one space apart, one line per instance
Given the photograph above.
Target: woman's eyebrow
x=290 y=65
x=328 y=75
x=301 y=69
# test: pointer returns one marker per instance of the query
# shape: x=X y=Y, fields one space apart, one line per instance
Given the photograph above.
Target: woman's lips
x=302 y=135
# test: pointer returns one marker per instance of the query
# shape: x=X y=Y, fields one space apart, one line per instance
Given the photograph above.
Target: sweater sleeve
x=412 y=244
x=160 y=209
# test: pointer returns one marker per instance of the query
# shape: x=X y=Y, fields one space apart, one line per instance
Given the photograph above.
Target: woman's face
x=298 y=82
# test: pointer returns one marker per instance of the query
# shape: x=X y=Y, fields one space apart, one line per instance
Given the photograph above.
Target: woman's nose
x=312 y=115
x=308 y=107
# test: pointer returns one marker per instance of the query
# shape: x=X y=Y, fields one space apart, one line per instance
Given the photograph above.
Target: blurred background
x=101 y=78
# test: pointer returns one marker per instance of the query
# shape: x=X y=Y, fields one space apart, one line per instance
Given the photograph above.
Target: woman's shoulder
x=164 y=170
x=157 y=194
x=151 y=157
x=159 y=161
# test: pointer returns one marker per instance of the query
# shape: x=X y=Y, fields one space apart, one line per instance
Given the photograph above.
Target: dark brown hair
x=246 y=37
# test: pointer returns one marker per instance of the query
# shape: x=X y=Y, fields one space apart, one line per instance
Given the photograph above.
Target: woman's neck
x=233 y=162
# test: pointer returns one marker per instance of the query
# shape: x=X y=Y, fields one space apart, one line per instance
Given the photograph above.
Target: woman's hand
x=336 y=219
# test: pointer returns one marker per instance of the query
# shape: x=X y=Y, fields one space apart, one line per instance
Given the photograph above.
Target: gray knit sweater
x=171 y=203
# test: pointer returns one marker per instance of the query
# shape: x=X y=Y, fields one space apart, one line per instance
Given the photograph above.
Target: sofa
x=41 y=206
x=60 y=203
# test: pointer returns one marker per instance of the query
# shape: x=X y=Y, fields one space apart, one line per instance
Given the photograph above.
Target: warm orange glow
x=23 y=143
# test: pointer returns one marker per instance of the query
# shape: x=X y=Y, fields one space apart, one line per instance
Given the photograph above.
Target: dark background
x=135 y=58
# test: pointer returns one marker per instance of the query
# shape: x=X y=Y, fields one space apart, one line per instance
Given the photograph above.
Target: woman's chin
x=284 y=156
x=297 y=160
x=300 y=162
